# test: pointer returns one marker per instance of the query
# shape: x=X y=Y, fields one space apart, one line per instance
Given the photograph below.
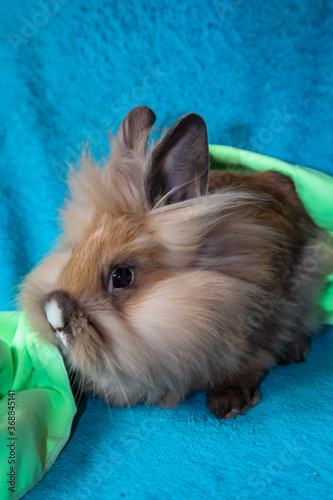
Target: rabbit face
x=121 y=308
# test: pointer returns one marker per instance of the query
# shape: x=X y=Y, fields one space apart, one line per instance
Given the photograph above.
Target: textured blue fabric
x=261 y=75
x=282 y=448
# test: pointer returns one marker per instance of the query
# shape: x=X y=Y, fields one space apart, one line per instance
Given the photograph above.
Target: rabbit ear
x=135 y=128
x=180 y=162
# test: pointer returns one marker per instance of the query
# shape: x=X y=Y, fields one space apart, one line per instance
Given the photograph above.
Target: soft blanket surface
x=260 y=73
x=281 y=448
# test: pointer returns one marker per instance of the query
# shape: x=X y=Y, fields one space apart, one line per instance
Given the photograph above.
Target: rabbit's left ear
x=179 y=164
x=135 y=128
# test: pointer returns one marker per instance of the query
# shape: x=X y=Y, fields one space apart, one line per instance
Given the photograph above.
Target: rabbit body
x=175 y=280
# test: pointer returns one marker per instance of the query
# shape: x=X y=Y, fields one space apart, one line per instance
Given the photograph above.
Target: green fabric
x=314 y=188
x=43 y=404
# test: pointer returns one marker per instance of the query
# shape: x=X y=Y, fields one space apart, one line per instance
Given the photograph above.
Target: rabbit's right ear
x=179 y=164
x=135 y=128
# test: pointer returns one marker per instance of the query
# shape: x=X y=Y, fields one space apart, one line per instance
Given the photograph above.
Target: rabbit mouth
x=59 y=311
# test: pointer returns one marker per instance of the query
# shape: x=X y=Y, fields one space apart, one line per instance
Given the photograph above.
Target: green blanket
x=36 y=406
x=36 y=403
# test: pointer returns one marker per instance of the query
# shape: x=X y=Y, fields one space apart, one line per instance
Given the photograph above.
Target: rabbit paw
x=295 y=352
x=232 y=401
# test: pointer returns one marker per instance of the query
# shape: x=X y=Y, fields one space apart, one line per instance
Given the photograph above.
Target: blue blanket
x=260 y=73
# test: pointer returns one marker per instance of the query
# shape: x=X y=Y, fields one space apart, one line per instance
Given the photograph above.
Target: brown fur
x=225 y=284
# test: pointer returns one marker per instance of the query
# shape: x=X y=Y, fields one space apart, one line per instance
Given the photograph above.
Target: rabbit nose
x=58 y=310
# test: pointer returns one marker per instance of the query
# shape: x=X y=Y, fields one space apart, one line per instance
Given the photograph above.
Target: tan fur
x=221 y=289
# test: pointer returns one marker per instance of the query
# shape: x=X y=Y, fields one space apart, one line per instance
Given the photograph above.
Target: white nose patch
x=54 y=314
x=55 y=318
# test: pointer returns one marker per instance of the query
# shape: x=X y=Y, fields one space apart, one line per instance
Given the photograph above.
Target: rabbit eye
x=120 y=277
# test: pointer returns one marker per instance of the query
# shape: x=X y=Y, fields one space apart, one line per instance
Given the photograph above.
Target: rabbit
x=169 y=279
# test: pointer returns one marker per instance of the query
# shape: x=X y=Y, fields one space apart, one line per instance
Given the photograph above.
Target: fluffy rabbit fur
x=176 y=282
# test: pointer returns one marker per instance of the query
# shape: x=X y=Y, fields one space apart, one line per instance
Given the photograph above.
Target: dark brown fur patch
x=279 y=186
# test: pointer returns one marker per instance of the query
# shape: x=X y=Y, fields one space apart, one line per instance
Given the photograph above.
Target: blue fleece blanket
x=260 y=73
